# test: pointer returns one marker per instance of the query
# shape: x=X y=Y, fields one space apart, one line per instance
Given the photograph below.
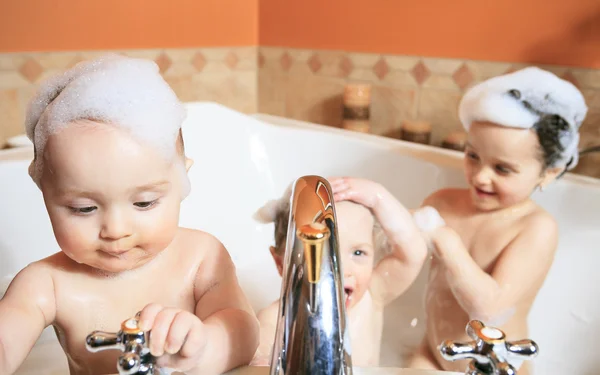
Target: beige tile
x=11 y=61
x=558 y=70
x=184 y=55
x=180 y=68
x=587 y=78
x=363 y=74
x=331 y=64
x=442 y=66
x=589 y=165
x=274 y=65
x=247 y=58
x=391 y=106
x=483 y=70
x=405 y=63
x=300 y=55
x=272 y=53
x=299 y=68
x=439 y=81
x=214 y=54
x=92 y=55
x=272 y=88
x=148 y=54
x=55 y=60
x=315 y=98
x=12 y=80
x=364 y=60
x=11 y=123
x=183 y=86
x=237 y=90
x=400 y=78
x=215 y=67
x=24 y=96
x=440 y=107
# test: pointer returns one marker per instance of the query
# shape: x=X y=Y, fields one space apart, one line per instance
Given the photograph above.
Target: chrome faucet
x=490 y=351
x=136 y=359
x=311 y=333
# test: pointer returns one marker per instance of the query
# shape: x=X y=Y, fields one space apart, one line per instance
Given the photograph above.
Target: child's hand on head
x=357 y=190
x=177 y=336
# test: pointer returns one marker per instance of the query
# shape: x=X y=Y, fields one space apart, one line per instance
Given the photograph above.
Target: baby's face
x=502 y=165
x=355 y=229
x=113 y=202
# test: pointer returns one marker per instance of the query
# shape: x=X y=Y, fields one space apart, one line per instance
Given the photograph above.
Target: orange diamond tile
x=381 y=68
x=199 y=61
x=31 y=70
x=346 y=66
x=163 y=61
x=568 y=76
x=420 y=72
x=286 y=61
x=231 y=60
x=261 y=60
x=314 y=63
x=463 y=76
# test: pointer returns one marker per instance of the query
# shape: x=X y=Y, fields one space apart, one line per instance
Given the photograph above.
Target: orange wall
x=45 y=25
x=565 y=32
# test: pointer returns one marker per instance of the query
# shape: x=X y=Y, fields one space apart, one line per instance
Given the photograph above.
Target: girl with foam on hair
x=109 y=160
x=492 y=257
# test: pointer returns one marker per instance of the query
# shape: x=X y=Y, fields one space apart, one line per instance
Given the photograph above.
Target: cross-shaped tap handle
x=136 y=359
x=490 y=351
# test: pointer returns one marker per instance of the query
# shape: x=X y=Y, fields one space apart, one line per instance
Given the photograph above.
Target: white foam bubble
x=125 y=92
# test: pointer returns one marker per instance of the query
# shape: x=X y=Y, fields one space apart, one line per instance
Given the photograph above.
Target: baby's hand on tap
x=177 y=336
x=357 y=190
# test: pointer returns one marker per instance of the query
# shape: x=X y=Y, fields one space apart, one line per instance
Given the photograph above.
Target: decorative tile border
x=308 y=84
x=304 y=84
x=226 y=75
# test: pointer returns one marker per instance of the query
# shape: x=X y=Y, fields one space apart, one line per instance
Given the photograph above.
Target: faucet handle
x=490 y=352
x=131 y=340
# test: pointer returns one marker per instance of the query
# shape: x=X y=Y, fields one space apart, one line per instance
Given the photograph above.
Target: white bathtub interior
x=242 y=161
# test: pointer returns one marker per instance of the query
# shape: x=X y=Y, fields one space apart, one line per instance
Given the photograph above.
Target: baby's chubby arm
x=221 y=335
x=26 y=309
x=518 y=273
x=396 y=272
x=267 y=318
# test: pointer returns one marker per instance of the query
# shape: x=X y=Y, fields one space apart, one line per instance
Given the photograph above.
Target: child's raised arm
x=26 y=309
x=221 y=335
x=397 y=271
x=519 y=271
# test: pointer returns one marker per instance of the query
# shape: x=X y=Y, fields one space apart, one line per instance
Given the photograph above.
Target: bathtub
x=246 y=160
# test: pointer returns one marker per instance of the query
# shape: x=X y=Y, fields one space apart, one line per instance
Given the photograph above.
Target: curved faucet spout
x=312 y=336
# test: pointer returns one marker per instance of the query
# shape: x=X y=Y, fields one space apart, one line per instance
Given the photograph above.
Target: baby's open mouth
x=348 y=296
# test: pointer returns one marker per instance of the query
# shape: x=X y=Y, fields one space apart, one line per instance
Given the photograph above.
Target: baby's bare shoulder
x=198 y=243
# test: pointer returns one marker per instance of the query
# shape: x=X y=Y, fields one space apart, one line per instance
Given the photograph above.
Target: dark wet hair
x=549 y=129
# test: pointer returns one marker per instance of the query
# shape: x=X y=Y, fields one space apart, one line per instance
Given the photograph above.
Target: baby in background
x=493 y=256
x=109 y=160
x=369 y=227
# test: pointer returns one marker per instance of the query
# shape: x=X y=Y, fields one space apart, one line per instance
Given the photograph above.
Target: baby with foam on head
x=109 y=160
x=492 y=257
x=368 y=287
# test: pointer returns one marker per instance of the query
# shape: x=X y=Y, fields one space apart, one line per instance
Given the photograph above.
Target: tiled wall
x=308 y=85
x=225 y=75
x=304 y=84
